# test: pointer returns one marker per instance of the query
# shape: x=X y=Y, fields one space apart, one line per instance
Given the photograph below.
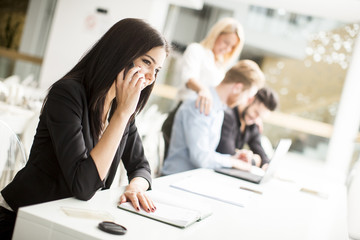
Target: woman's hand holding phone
x=128 y=89
x=126 y=69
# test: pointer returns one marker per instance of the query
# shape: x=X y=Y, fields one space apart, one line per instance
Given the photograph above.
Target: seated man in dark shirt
x=240 y=128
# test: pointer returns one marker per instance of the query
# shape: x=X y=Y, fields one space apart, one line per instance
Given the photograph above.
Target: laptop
x=257 y=175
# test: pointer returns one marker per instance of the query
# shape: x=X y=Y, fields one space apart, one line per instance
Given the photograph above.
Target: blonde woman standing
x=204 y=65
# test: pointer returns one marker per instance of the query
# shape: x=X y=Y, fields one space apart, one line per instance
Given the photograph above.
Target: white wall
x=73 y=32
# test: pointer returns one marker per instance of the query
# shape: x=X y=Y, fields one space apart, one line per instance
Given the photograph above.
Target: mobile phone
x=111 y=227
x=127 y=68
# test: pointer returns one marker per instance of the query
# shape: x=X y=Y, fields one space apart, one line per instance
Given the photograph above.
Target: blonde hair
x=225 y=26
x=246 y=72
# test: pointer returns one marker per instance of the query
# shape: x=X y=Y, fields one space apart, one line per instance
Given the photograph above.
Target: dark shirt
x=60 y=164
x=232 y=137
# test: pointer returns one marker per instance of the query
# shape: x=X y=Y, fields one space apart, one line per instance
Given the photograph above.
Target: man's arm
x=255 y=145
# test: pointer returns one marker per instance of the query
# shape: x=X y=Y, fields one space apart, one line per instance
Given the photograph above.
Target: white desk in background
x=16 y=117
x=281 y=212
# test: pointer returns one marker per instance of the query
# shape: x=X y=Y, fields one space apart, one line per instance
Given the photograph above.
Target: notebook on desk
x=173 y=210
x=257 y=175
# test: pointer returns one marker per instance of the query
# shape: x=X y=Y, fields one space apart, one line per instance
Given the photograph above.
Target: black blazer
x=232 y=138
x=60 y=164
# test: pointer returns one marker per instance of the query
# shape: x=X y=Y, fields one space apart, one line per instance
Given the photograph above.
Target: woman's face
x=150 y=64
x=225 y=43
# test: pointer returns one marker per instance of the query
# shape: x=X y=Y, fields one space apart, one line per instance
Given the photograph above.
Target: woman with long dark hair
x=87 y=125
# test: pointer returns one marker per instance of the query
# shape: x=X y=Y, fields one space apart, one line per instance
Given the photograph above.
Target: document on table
x=87 y=213
x=172 y=210
x=214 y=189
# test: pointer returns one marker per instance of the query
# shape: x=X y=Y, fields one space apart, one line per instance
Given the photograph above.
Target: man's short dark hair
x=268 y=97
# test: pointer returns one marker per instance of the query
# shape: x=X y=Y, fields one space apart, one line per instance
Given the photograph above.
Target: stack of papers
x=214 y=189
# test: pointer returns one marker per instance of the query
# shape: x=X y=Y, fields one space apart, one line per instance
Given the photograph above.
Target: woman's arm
x=194 y=85
x=127 y=97
x=204 y=100
x=190 y=74
x=104 y=151
x=138 y=171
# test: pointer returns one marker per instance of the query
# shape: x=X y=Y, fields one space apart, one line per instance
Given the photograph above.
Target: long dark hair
x=125 y=41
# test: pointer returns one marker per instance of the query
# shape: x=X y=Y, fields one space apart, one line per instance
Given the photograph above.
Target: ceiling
x=347 y=11
x=341 y=10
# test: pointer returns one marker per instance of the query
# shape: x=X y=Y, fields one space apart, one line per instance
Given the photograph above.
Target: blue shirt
x=195 y=137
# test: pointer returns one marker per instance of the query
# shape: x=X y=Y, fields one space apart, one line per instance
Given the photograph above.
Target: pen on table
x=314 y=192
x=251 y=190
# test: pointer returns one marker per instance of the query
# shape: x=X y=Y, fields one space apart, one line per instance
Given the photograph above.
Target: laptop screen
x=280 y=151
x=259 y=176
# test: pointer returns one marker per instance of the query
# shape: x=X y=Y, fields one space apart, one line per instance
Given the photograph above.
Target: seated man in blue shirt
x=195 y=136
x=240 y=128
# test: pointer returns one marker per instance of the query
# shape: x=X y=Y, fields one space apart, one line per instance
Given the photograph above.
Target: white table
x=281 y=212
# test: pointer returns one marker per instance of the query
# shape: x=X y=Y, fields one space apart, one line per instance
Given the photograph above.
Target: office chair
x=149 y=126
x=12 y=154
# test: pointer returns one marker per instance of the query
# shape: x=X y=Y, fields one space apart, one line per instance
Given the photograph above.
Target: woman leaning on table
x=87 y=125
x=204 y=65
